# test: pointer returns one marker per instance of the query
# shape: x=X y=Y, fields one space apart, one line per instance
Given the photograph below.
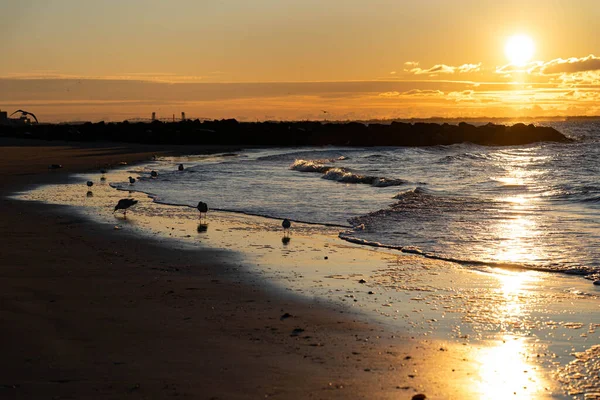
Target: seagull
x=286 y=226
x=154 y=174
x=24 y=113
x=180 y=167
x=124 y=204
x=90 y=183
x=203 y=208
x=131 y=180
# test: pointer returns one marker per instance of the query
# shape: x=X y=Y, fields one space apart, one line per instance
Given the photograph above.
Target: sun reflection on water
x=505 y=371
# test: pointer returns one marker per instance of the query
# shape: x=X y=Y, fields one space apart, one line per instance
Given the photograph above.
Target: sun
x=519 y=49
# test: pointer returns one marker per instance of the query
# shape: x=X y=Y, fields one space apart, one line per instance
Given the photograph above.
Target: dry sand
x=90 y=313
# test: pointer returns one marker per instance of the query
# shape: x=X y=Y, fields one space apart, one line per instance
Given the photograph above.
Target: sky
x=288 y=59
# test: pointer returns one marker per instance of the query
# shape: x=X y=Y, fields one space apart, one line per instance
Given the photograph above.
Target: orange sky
x=284 y=59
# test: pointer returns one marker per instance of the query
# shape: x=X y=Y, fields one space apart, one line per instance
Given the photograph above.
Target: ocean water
x=534 y=206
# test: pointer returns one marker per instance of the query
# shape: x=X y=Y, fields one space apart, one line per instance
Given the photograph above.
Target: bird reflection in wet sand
x=89 y=193
x=285 y=240
x=202 y=227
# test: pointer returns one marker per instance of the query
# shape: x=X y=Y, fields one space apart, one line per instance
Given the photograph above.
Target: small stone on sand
x=285 y=316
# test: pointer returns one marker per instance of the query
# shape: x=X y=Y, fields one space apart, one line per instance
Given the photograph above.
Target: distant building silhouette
x=153 y=116
x=182 y=116
x=6 y=119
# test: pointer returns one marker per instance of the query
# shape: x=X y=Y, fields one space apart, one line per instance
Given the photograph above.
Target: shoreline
x=412 y=336
x=89 y=316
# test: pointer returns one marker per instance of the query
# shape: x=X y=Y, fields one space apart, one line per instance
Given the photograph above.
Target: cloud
x=411 y=64
x=162 y=77
x=465 y=68
x=436 y=69
x=585 y=78
x=413 y=92
x=444 y=69
x=570 y=71
x=571 y=65
x=529 y=68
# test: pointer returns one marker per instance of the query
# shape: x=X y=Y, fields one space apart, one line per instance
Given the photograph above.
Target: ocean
x=535 y=206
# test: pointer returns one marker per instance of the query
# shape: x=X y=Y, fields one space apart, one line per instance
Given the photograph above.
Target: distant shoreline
x=303 y=133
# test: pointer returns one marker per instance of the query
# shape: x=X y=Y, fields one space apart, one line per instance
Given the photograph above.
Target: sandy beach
x=88 y=313
x=97 y=306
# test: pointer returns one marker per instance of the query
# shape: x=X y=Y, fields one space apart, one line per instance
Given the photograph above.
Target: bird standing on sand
x=180 y=167
x=124 y=204
x=203 y=208
x=154 y=174
x=286 y=227
x=131 y=180
x=90 y=183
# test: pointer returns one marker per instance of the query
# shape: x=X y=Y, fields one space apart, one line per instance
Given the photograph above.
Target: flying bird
x=124 y=204
x=203 y=208
x=25 y=113
x=90 y=183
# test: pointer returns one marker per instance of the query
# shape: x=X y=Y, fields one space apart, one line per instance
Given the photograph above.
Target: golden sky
x=284 y=59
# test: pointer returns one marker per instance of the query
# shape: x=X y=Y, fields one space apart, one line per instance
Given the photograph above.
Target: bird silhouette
x=131 y=180
x=180 y=167
x=203 y=208
x=124 y=204
x=90 y=183
x=24 y=113
x=154 y=174
x=286 y=227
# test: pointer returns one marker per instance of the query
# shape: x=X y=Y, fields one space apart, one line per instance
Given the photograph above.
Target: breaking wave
x=343 y=175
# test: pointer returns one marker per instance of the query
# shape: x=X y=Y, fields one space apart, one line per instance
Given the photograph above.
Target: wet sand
x=90 y=312
x=151 y=306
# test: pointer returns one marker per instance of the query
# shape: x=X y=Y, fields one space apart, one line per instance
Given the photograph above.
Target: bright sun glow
x=519 y=49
